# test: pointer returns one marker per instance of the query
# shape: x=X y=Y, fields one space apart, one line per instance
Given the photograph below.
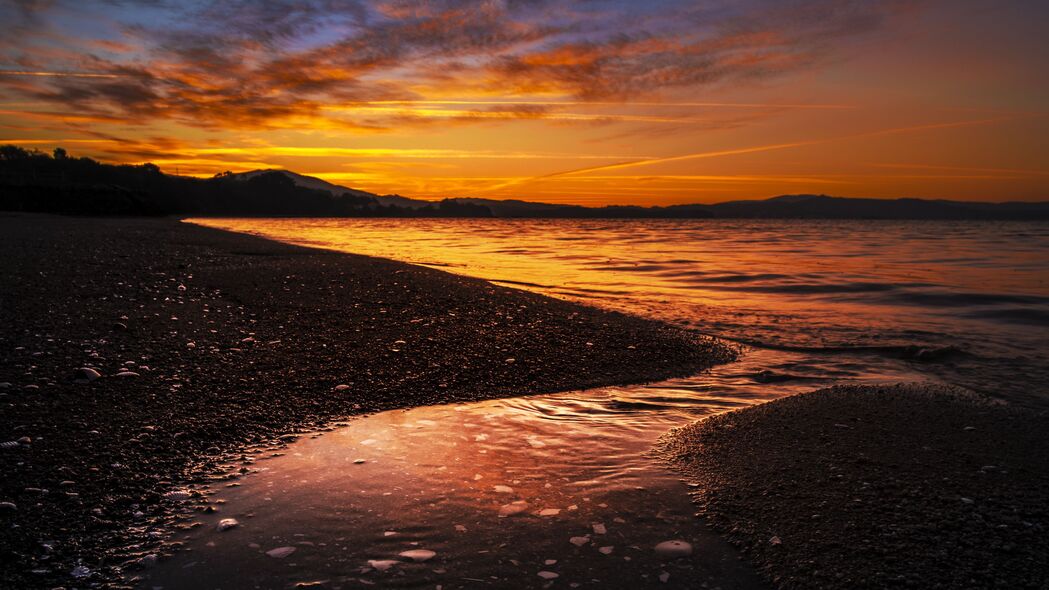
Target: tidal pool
x=541 y=491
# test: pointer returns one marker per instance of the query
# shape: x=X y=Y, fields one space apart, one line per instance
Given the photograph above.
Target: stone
x=280 y=552
x=418 y=554
x=674 y=549
x=226 y=524
x=85 y=375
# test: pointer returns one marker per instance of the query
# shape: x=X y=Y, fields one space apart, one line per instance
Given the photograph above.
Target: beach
x=908 y=486
x=206 y=341
x=146 y=359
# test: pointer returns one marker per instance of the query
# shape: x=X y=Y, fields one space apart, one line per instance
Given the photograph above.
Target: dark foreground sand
x=230 y=341
x=877 y=487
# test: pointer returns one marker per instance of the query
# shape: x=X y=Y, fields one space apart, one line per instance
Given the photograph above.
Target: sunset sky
x=590 y=102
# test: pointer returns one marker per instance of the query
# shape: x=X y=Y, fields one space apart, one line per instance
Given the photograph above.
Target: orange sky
x=591 y=102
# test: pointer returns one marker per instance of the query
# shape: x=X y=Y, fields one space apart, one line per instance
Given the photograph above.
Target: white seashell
x=9 y=444
x=177 y=495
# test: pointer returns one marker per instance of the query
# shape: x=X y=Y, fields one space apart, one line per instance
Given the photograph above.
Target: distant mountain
x=824 y=207
x=781 y=207
x=315 y=183
x=38 y=182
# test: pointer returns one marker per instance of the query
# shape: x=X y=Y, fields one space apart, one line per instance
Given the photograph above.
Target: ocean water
x=967 y=302
x=562 y=490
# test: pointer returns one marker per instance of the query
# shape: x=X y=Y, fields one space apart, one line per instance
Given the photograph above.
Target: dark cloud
x=255 y=64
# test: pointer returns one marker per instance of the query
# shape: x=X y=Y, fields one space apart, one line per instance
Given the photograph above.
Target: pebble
x=80 y=572
x=548 y=575
x=579 y=541
x=148 y=560
x=382 y=564
x=226 y=524
x=126 y=374
x=513 y=508
x=674 y=549
x=11 y=444
x=341 y=387
x=85 y=375
x=8 y=506
x=280 y=552
x=418 y=554
x=25 y=440
x=177 y=495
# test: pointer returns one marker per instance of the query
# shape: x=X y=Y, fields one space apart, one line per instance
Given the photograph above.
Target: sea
x=966 y=301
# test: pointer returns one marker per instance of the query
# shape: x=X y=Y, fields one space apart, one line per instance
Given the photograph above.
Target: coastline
x=209 y=341
x=905 y=486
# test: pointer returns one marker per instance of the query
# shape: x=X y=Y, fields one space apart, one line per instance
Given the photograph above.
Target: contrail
x=56 y=74
x=748 y=150
x=741 y=105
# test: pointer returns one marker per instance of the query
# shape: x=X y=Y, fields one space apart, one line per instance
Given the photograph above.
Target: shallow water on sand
x=499 y=491
x=978 y=292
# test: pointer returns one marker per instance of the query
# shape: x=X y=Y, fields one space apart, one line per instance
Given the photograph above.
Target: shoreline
x=210 y=341
x=910 y=486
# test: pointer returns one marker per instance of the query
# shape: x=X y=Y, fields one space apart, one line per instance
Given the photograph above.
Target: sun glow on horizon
x=650 y=106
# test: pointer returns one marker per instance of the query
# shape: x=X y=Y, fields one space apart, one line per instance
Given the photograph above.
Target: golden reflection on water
x=499 y=490
x=796 y=282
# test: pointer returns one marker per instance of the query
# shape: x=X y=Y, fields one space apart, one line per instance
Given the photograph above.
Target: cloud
x=284 y=64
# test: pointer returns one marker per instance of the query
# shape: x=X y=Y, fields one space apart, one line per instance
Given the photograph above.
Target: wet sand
x=209 y=341
x=877 y=487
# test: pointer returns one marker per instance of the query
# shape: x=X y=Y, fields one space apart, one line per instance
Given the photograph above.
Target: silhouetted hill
x=824 y=207
x=35 y=182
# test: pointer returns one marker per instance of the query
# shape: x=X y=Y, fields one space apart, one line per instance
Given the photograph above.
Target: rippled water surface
x=501 y=492
x=979 y=288
x=561 y=490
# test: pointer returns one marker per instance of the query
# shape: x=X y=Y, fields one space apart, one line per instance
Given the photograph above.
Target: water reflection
x=980 y=287
x=498 y=491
